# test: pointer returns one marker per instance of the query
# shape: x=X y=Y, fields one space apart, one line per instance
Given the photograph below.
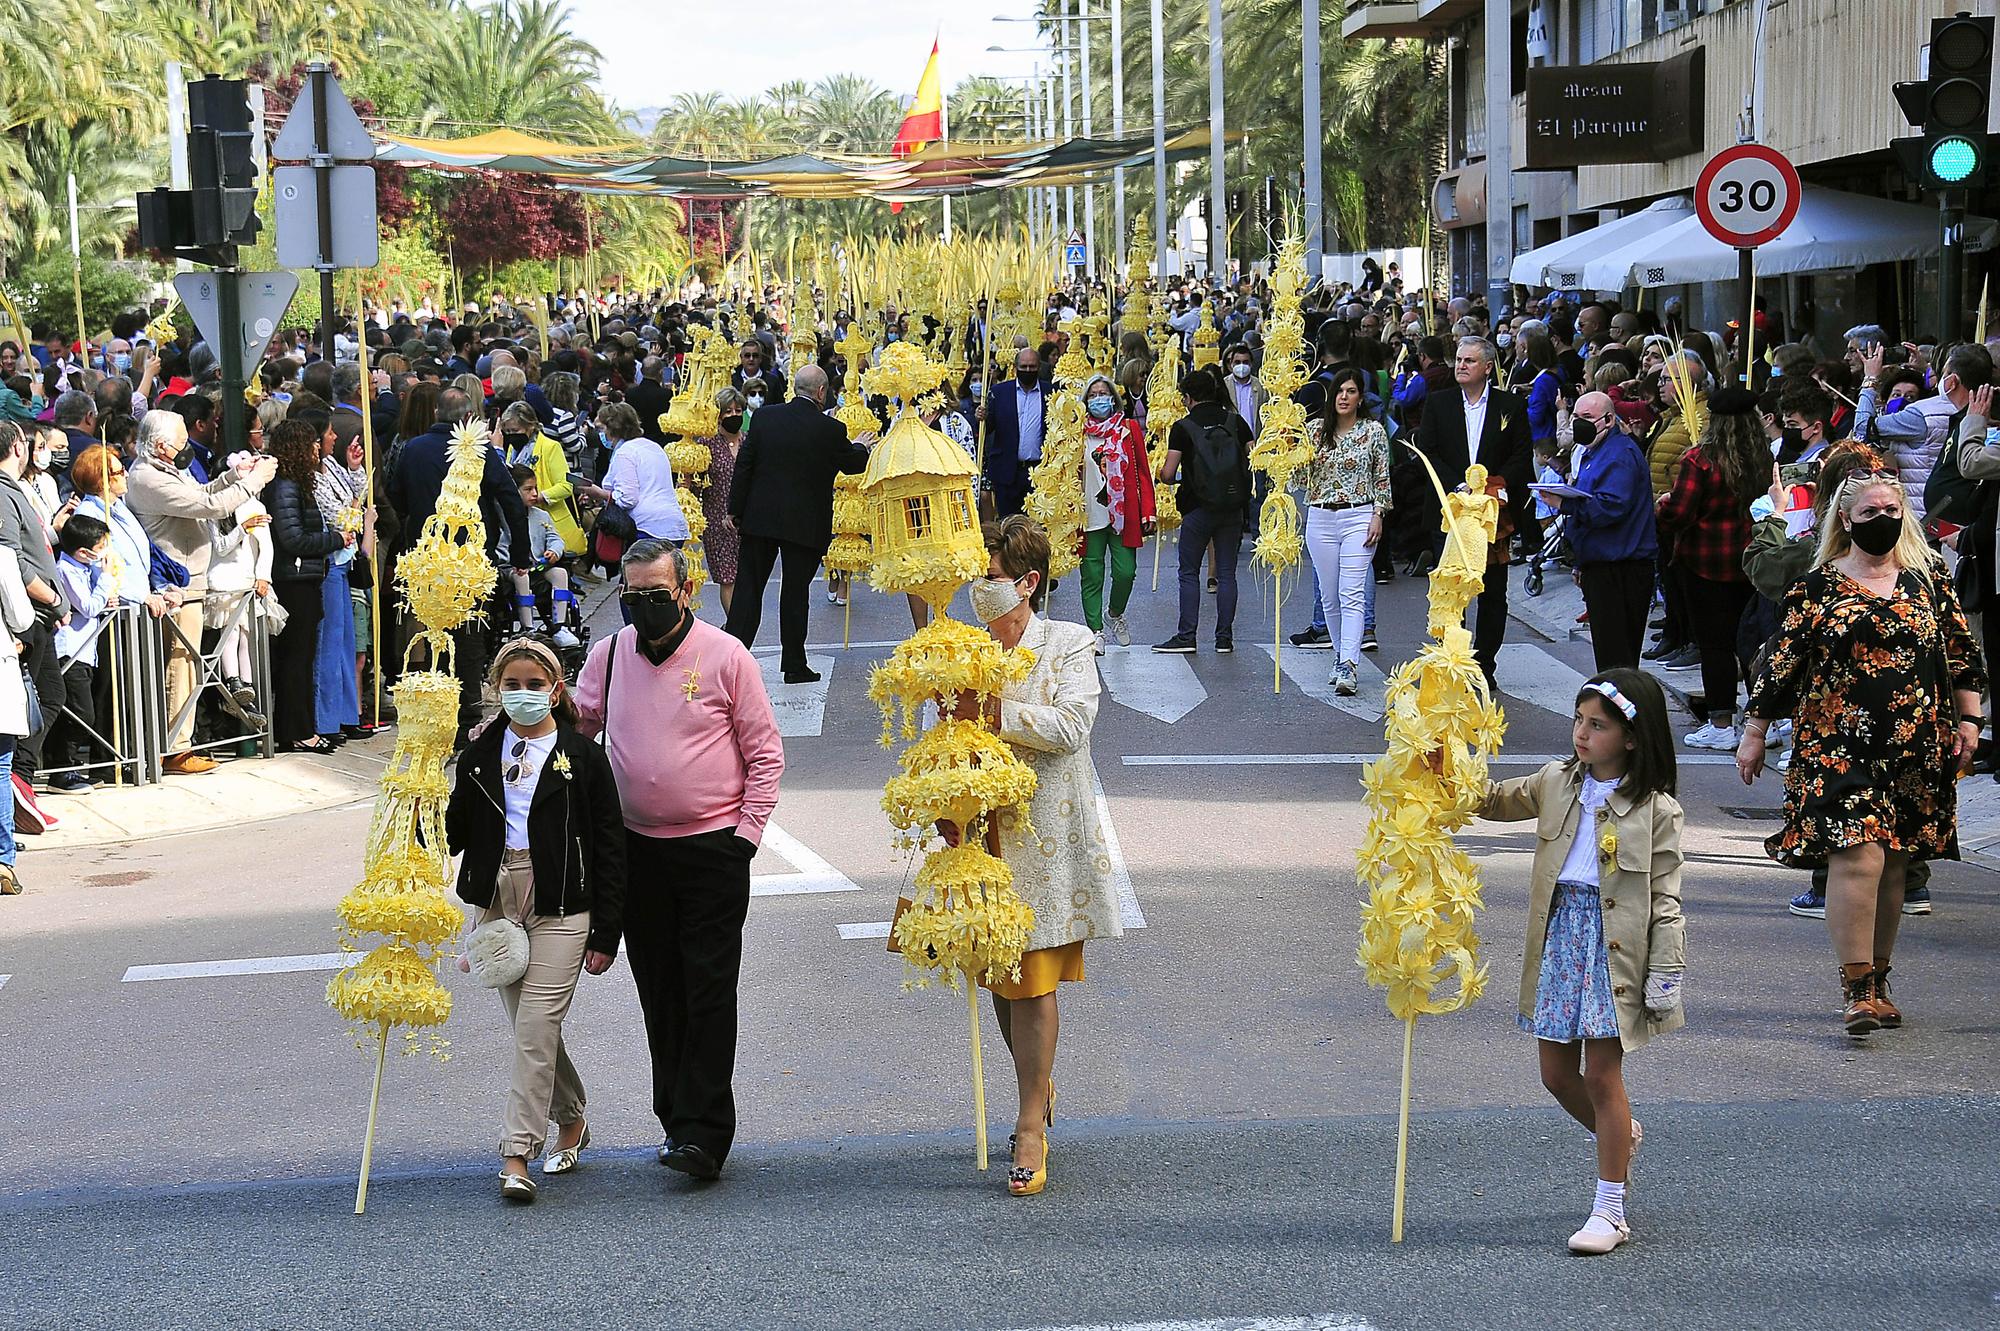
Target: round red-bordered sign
x=1747 y=195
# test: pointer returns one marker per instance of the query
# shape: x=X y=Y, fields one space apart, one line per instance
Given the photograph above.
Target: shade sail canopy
x=1560 y=265
x=1834 y=230
x=941 y=169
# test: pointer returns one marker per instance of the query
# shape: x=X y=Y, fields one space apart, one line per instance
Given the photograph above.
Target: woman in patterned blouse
x=1347 y=493
x=1880 y=675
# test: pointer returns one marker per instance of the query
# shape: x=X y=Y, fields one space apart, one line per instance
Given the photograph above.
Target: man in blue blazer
x=1016 y=416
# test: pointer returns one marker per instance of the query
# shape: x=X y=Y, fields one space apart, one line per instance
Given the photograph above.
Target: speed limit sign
x=1747 y=195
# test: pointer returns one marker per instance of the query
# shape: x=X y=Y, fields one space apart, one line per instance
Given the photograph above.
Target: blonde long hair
x=1912 y=551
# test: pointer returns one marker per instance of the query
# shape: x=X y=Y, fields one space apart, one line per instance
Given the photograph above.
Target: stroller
x=1555 y=548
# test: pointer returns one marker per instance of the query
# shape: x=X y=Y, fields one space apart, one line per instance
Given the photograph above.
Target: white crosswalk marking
x=813 y=874
x=1233 y=1324
x=1309 y=668
x=873 y=929
x=204 y=970
x=1161 y=685
x=1360 y=759
x=800 y=708
x=1538 y=679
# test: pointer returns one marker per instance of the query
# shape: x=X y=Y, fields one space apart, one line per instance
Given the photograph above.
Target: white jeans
x=1337 y=540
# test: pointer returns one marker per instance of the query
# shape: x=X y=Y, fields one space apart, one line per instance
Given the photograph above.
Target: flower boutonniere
x=1607 y=842
x=561 y=764
x=1504 y=419
x=691 y=685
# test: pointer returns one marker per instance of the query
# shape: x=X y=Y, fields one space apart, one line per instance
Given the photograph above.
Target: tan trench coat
x=1064 y=872
x=1641 y=894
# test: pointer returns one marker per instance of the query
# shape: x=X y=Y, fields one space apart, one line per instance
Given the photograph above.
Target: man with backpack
x=1208 y=450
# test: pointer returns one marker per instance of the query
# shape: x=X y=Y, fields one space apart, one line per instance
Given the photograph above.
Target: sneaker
x=76 y=783
x=1313 y=636
x=1119 y=629
x=1211 y=586
x=1343 y=679
x=1779 y=735
x=1383 y=579
x=30 y=818
x=1713 y=736
x=1097 y=642
x=1783 y=762
x=564 y=638
x=1917 y=901
x=1660 y=650
x=240 y=692
x=1810 y=904
x=1224 y=646
x=1179 y=644
x=1687 y=658
x=1368 y=643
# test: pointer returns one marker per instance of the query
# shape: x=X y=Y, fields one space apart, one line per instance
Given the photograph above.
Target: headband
x=527 y=646
x=1609 y=691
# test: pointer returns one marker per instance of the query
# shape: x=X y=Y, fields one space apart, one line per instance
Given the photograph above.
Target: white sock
x=1610 y=1201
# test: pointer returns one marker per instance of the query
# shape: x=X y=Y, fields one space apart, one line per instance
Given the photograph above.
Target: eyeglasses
x=655 y=596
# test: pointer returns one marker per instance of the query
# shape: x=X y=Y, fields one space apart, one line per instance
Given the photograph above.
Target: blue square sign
x=1073 y=256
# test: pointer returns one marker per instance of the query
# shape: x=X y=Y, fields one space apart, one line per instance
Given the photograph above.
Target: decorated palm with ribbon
x=403 y=896
x=964 y=920
x=1418 y=940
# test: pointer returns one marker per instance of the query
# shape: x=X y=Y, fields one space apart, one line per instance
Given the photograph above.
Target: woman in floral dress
x=1880 y=675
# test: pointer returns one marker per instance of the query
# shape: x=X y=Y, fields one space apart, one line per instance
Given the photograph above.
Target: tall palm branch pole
x=1218 y=226
x=1159 y=133
x=1118 y=119
x=1082 y=25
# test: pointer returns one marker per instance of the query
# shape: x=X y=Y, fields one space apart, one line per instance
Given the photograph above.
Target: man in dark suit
x=1498 y=421
x=754 y=361
x=1016 y=416
x=651 y=397
x=782 y=503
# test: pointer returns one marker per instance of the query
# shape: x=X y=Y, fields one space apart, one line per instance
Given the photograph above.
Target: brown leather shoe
x=1861 y=1016
x=1890 y=1014
x=187 y=764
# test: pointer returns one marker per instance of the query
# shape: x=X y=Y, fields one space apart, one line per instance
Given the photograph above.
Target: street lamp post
x=1159 y=136
x=1309 y=36
x=1118 y=122
x=1218 y=226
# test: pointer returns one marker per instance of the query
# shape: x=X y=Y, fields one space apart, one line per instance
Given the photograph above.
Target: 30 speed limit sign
x=1747 y=195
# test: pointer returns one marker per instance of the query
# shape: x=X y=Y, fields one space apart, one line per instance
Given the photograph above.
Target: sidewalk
x=242 y=790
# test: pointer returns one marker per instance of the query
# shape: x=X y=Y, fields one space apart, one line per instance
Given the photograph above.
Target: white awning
x=1560 y=265
x=1833 y=231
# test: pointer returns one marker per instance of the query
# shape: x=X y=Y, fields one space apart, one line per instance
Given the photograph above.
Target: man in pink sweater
x=695 y=748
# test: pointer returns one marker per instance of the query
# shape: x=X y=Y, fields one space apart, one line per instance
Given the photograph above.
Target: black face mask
x=1794 y=439
x=655 y=621
x=185 y=456
x=1878 y=535
x=1027 y=378
x=1586 y=432
x=513 y=441
x=732 y=423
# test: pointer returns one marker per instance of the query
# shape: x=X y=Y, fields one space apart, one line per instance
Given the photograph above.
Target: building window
x=917 y=517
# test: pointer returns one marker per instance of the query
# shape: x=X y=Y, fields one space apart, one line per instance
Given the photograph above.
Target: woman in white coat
x=17 y=614
x=1064 y=871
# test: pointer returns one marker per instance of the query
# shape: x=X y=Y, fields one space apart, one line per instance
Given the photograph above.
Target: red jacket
x=1133 y=482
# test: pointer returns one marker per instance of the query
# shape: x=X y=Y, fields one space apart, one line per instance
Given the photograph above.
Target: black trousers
x=1617 y=594
x=39 y=663
x=685 y=903
x=756 y=557
x=1489 y=626
x=69 y=739
x=1715 y=611
x=293 y=716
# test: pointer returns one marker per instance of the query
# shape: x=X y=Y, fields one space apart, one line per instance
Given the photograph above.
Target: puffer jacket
x=1670 y=445
x=299 y=536
x=1915 y=435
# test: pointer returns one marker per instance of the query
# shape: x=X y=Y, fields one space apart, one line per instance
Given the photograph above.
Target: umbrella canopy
x=1833 y=230
x=1560 y=265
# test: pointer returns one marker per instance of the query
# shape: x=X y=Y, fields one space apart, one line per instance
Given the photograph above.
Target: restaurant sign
x=1594 y=115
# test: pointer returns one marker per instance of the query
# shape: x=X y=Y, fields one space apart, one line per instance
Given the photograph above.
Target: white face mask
x=994 y=598
x=43 y=457
x=1240 y=369
x=755 y=400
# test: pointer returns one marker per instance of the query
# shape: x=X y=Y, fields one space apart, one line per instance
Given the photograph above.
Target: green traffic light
x=1954 y=159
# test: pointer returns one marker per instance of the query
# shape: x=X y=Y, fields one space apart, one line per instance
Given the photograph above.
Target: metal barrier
x=122 y=636
x=133 y=645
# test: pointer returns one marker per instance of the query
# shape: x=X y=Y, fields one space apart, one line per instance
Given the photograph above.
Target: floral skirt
x=1573 y=997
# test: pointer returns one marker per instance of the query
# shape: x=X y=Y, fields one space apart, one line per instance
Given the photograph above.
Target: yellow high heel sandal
x=1023 y=1181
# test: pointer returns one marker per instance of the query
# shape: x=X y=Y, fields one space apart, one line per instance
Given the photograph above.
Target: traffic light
x=218 y=211
x=1950 y=107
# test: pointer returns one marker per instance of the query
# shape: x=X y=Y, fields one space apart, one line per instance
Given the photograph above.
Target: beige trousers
x=545 y=1085
x=182 y=671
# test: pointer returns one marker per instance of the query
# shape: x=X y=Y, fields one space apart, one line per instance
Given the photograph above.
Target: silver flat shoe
x=517 y=1188
x=562 y=1162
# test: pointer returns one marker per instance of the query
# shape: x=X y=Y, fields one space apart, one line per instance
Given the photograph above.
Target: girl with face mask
x=1876 y=667
x=1119 y=508
x=534 y=811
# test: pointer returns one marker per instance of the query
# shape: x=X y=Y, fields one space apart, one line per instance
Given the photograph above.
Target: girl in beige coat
x=1602 y=968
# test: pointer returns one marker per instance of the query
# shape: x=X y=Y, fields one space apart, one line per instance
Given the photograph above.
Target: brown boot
x=1891 y=1015
x=1861 y=1015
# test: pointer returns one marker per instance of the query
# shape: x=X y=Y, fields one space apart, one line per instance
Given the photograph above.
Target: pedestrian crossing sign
x=1073 y=256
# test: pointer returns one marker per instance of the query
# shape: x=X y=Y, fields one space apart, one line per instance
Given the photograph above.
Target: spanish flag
x=924 y=124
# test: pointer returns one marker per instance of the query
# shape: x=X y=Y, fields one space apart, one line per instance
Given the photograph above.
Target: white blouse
x=1581 y=864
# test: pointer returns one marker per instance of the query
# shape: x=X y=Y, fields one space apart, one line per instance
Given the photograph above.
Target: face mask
x=1027 y=378
x=123 y=361
x=733 y=423
x=43 y=457
x=974 y=388
x=1101 y=407
x=1794 y=437
x=513 y=442
x=655 y=622
x=1505 y=340
x=755 y=400
x=1240 y=370
x=525 y=707
x=185 y=456
x=994 y=598
x=1879 y=534
x=892 y=337
x=1586 y=432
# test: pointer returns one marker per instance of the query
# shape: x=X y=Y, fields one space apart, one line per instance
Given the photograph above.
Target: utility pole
x=1089 y=126
x=1499 y=154
x=1067 y=50
x=1218 y=224
x=1160 y=236
x=1118 y=122
x=1314 y=137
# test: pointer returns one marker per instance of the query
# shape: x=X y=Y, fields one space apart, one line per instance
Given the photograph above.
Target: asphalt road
x=185 y=1148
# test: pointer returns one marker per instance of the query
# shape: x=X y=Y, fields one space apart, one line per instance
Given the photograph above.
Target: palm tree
x=850 y=113
x=695 y=124
x=107 y=178
x=512 y=64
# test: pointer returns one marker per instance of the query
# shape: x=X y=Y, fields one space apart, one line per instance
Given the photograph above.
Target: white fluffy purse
x=497 y=953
